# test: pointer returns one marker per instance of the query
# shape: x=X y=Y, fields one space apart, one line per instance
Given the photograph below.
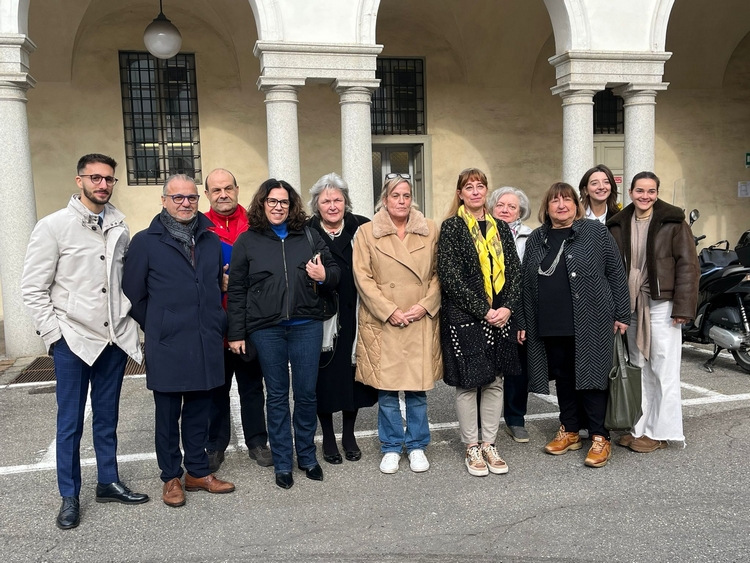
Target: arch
x=267 y=20
x=737 y=71
x=659 y=24
x=569 y=24
x=14 y=16
x=367 y=20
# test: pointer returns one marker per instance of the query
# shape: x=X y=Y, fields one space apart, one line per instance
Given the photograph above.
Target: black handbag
x=330 y=299
x=715 y=257
x=624 y=402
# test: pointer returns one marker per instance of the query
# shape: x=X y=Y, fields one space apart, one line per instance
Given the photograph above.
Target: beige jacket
x=390 y=274
x=71 y=281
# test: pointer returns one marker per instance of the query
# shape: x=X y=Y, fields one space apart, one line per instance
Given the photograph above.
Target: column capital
x=576 y=96
x=342 y=84
x=635 y=94
x=355 y=92
x=267 y=84
x=14 y=61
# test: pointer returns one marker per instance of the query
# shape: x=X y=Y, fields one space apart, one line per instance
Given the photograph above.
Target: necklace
x=551 y=270
x=646 y=218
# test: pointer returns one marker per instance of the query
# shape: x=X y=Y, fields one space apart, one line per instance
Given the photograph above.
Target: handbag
x=714 y=257
x=624 y=402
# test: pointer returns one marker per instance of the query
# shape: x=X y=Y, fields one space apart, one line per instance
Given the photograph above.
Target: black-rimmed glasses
x=97 y=178
x=271 y=202
x=179 y=198
x=393 y=175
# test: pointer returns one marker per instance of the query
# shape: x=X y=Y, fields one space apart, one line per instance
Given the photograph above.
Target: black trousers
x=252 y=405
x=561 y=355
x=516 y=393
x=192 y=408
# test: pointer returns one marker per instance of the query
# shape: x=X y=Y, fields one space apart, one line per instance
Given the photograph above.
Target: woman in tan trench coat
x=398 y=345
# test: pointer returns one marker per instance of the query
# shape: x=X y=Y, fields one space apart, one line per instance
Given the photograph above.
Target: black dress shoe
x=284 y=480
x=315 y=472
x=334 y=459
x=70 y=513
x=215 y=459
x=354 y=455
x=117 y=492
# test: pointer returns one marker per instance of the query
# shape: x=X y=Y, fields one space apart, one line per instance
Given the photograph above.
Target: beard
x=98 y=199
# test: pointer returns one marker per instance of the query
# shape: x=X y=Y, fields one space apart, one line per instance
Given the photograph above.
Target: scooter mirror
x=694 y=216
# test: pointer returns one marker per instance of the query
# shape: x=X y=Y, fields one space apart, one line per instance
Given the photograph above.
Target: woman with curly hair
x=274 y=300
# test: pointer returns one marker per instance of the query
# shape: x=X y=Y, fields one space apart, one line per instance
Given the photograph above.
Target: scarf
x=487 y=246
x=183 y=233
x=638 y=285
x=514 y=228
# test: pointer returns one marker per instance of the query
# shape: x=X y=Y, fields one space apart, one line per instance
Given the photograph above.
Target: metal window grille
x=398 y=104
x=160 y=113
x=608 y=113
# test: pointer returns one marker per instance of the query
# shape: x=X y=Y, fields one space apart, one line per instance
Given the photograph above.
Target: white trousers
x=660 y=376
x=491 y=412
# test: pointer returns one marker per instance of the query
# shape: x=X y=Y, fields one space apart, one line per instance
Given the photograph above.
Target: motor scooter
x=723 y=300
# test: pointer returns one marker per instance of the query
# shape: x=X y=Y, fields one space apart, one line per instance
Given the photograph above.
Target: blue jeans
x=279 y=346
x=390 y=423
x=73 y=377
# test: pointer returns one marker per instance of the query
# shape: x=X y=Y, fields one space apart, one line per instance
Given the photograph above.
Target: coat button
x=38 y=332
x=106 y=323
x=576 y=296
x=104 y=290
x=101 y=257
x=419 y=283
x=573 y=275
x=570 y=256
x=393 y=285
x=93 y=228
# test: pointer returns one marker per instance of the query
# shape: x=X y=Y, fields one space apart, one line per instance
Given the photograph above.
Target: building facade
x=530 y=91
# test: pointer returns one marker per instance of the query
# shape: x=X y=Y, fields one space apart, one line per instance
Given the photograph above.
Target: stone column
x=578 y=134
x=18 y=212
x=283 y=133
x=640 y=106
x=356 y=144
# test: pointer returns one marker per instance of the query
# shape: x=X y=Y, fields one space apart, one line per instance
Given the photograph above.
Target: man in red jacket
x=230 y=221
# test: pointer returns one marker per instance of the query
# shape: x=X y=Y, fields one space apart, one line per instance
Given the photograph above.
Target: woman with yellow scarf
x=478 y=268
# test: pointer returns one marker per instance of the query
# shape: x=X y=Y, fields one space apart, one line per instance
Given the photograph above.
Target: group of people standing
x=483 y=302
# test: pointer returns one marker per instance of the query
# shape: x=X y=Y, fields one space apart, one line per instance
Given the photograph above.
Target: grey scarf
x=182 y=232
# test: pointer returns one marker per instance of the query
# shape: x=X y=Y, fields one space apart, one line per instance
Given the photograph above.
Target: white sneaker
x=418 y=461
x=389 y=464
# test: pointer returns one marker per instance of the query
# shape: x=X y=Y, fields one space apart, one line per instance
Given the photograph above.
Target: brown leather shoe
x=599 y=453
x=563 y=442
x=208 y=483
x=644 y=445
x=626 y=440
x=172 y=493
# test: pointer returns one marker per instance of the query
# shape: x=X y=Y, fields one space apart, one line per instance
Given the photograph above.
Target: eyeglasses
x=393 y=175
x=271 y=202
x=179 y=198
x=97 y=178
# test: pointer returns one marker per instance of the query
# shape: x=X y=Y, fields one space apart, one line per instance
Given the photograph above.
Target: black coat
x=178 y=306
x=475 y=352
x=600 y=297
x=337 y=390
x=269 y=283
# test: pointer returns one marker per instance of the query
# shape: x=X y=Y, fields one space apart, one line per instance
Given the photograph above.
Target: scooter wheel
x=742 y=357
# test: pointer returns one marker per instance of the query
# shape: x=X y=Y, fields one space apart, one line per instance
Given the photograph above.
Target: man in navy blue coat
x=173 y=275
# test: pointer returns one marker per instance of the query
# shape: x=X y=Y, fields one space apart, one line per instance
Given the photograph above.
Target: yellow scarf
x=489 y=245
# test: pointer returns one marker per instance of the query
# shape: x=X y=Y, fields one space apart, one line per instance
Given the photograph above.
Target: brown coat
x=392 y=274
x=671 y=260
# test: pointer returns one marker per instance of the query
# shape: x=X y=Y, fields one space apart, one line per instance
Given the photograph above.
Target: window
x=398 y=104
x=608 y=113
x=160 y=112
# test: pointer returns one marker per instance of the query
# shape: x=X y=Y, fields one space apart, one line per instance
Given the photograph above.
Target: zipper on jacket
x=658 y=288
x=286 y=278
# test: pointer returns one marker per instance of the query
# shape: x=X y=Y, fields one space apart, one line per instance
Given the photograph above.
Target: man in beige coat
x=71 y=285
x=398 y=343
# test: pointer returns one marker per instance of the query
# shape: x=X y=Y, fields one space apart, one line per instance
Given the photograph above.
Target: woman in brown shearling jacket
x=657 y=248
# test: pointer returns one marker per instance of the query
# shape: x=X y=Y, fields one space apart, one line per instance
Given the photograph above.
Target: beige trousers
x=491 y=411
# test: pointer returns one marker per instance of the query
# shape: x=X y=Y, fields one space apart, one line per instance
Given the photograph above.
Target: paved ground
x=689 y=504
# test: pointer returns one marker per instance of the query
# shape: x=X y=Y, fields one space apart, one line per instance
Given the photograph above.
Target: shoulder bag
x=624 y=402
